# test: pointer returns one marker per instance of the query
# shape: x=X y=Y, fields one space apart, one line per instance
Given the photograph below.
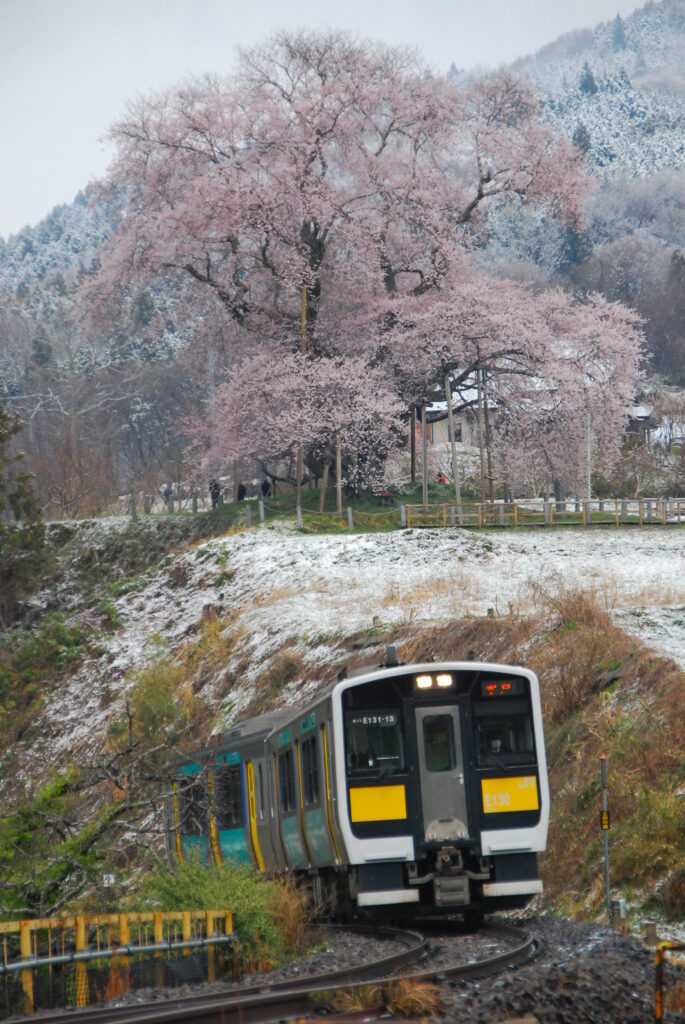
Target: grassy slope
x=602 y=693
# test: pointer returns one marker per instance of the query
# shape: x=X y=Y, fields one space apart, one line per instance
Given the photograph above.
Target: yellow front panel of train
x=502 y=795
x=378 y=803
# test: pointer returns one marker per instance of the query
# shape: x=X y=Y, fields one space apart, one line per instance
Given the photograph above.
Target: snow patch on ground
x=309 y=592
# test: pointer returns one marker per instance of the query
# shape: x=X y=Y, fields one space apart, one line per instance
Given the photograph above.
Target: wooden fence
x=543 y=512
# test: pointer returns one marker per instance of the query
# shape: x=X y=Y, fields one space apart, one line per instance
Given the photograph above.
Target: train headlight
x=424 y=682
x=444 y=680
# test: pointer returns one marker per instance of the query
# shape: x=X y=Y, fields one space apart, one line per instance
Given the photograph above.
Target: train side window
x=310 y=771
x=287 y=781
x=438 y=743
x=193 y=808
x=229 y=797
x=260 y=785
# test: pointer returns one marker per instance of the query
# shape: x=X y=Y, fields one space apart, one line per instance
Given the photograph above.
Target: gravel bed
x=586 y=975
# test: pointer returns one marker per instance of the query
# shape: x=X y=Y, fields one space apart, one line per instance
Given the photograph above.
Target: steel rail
x=243 y=1004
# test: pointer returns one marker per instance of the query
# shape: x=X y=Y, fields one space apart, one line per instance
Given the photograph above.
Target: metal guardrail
x=54 y=942
x=663 y=949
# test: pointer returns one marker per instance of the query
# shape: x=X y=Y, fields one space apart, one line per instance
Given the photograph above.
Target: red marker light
x=506 y=686
x=491 y=688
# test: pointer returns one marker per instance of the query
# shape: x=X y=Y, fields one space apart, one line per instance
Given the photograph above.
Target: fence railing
x=478 y=515
x=544 y=512
x=35 y=943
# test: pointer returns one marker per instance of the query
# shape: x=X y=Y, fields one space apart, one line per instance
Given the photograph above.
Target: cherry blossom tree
x=324 y=202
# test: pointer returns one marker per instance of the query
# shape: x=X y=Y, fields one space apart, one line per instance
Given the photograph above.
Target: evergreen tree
x=587 y=81
x=581 y=138
x=618 y=34
x=21 y=541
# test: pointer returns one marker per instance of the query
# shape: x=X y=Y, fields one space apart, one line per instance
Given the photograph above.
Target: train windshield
x=374 y=742
x=504 y=734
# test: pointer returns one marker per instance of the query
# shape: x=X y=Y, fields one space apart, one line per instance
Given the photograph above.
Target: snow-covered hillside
x=310 y=594
x=620 y=89
x=63 y=242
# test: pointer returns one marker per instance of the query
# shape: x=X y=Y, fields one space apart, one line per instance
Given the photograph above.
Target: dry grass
x=404 y=998
x=602 y=692
x=293 y=914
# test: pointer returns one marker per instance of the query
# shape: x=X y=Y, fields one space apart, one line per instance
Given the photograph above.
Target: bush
x=270 y=917
x=30 y=660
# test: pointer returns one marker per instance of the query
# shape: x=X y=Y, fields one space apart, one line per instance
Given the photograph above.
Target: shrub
x=269 y=917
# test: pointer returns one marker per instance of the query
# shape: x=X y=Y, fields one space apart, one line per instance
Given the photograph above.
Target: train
x=415 y=788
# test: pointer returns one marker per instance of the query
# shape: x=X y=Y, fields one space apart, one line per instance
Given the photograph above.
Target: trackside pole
x=605 y=823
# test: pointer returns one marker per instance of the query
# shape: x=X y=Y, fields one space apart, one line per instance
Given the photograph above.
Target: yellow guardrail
x=33 y=943
x=663 y=949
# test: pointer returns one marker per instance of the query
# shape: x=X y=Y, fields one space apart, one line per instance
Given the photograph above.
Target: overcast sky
x=68 y=66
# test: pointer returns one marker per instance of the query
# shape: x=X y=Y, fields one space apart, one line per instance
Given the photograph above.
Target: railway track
x=283 y=1000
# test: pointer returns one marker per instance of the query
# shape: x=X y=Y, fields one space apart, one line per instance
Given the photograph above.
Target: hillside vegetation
x=88 y=720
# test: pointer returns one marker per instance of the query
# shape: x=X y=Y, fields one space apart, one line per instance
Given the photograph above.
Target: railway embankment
x=146 y=637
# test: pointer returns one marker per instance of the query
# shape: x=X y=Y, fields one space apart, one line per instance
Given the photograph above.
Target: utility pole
x=338 y=475
x=605 y=824
x=453 y=445
x=488 y=441
x=589 y=454
x=303 y=350
x=481 y=442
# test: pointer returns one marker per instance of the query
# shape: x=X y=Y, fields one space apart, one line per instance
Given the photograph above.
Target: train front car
x=442 y=792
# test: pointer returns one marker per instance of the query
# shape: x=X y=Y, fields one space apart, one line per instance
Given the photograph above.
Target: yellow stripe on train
x=517 y=794
x=378 y=803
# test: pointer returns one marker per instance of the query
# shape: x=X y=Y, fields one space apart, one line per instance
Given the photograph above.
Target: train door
x=441 y=773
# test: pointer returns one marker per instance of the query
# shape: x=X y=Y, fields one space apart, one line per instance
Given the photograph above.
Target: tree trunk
x=453 y=446
x=338 y=476
x=324 y=486
x=412 y=442
x=424 y=454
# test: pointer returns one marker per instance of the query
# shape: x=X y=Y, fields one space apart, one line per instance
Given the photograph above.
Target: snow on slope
x=309 y=592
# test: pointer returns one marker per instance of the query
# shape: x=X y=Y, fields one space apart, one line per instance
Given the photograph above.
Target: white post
x=350 y=518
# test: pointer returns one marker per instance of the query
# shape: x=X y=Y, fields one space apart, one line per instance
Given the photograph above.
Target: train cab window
x=504 y=734
x=310 y=771
x=229 y=797
x=286 y=781
x=438 y=743
x=193 y=808
x=374 y=742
